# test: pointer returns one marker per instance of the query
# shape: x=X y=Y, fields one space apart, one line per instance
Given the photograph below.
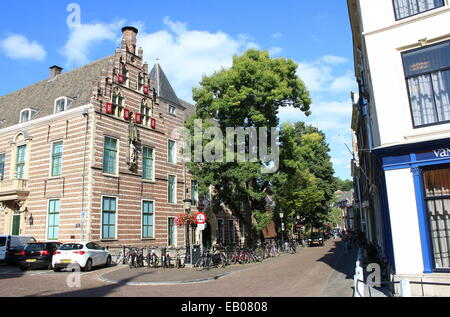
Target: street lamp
x=281 y=213
x=187 y=208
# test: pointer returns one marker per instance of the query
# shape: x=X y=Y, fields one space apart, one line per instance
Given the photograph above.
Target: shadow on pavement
x=7 y=272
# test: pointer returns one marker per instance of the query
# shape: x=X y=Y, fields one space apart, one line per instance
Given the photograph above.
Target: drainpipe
x=83 y=176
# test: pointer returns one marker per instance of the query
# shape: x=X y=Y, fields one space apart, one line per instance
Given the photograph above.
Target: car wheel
x=88 y=266
x=108 y=262
x=50 y=266
x=23 y=268
x=55 y=269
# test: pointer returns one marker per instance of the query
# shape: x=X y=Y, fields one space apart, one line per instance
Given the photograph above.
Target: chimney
x=55 y=71
x=129 y=34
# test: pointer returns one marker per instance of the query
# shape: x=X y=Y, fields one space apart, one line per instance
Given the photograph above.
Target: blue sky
x=191 y=38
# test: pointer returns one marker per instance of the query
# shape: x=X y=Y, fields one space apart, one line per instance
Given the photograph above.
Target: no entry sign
x=201 y=218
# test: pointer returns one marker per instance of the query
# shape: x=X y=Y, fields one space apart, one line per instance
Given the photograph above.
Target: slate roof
x=76 y=84
x=163 y=87
x=189 y=109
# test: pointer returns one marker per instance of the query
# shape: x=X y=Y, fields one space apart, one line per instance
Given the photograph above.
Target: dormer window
x=62 y=104
x=26 y=115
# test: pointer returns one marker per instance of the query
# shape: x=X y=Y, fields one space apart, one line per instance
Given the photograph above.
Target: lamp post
x=282 y=229
x=187 y=208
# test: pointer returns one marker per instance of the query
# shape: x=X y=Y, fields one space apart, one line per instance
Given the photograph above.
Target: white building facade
x=402 y=64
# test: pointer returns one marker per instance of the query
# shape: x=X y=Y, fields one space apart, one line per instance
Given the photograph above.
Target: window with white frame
x=62 y=104
x=407 y=8
x=172 y=110
x=147 y=219
x=2 y=166
x=172 y=189
x=427 y=72
x=117 y=102
x=20 y=161
x=110 y=155
x=53 y=219
x=171 y=152
x=148 y=158
x=109 y=210
x=26 y=115
x=56 y=159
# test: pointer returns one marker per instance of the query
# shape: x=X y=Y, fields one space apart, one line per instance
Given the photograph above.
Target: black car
x=38 y=255
x=316 y=238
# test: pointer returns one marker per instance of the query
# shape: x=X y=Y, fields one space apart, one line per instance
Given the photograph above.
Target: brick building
x=90 y=154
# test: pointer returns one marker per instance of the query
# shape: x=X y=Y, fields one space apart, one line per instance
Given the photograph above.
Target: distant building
x=344 y=201
x=401 y=124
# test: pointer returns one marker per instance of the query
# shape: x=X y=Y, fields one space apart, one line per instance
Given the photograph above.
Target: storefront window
x=437 y=197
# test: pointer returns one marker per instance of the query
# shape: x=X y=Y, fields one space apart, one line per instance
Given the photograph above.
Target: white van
x=11 y=243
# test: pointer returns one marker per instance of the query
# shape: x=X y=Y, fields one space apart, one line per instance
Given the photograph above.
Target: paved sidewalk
x=340 y=281
x=149 y=276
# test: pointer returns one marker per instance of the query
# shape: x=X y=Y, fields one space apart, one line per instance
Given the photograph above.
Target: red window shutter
x=120 y=78
x=153 y=123
x=146 y=90
x=108 y=108
x=126 y=114
x=138 y=118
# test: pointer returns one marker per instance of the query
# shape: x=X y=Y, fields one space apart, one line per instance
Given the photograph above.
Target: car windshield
x=35 y=247
x=316 y=235
x=71 y=246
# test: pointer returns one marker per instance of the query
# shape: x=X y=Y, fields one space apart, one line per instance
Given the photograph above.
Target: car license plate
x=31 y=260
x=66 y=261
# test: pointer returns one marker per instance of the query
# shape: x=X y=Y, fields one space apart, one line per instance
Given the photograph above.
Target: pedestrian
x=345 y=242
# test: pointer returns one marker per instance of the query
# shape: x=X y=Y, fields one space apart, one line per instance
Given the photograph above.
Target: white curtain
x=421 y=96
x=441 y=88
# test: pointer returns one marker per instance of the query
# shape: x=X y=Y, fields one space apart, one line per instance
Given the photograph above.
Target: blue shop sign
x=443 y=153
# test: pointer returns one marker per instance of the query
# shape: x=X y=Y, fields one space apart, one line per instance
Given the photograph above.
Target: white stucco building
x=402 y=126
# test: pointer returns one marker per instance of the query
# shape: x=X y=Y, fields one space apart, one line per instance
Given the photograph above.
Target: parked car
x=11 y=247
x=86 y=255
x=38 y=255
x=316 y=238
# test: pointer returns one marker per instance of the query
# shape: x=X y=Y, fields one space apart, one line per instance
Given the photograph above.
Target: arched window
x=117 y=102
x=146 y=112
x=62 y=104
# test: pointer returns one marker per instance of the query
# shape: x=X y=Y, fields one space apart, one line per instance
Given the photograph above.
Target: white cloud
x=82 y=38
x=277 y=35
x=319 y=75
x=186 y=55
x=274 y=51
x=17 y=46
x=334 y=60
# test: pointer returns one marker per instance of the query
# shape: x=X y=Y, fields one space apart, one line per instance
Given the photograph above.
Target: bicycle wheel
x=200 y=264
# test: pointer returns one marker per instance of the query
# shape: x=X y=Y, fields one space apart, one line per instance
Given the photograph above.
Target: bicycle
x=152 y=258
x=165 y=258
x=178 y=264
x=204 y=262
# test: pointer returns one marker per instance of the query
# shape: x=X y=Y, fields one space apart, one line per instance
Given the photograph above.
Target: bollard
x=405 y=289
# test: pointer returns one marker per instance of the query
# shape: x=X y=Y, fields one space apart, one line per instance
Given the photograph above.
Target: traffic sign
x=201 y=218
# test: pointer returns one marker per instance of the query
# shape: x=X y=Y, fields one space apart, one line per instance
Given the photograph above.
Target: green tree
x=304 y=185
x=343 y=185
x=249 y=94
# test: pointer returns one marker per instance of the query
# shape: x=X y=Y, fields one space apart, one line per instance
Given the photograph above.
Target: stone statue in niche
x=132 y=145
